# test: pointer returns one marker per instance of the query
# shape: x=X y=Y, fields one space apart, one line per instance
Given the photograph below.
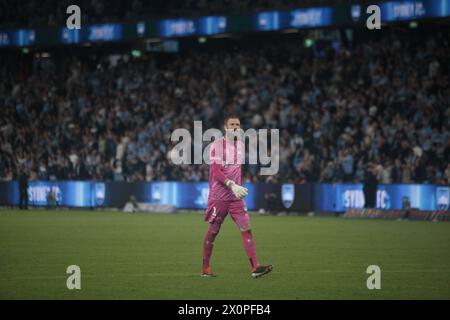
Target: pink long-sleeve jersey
x=226 y=159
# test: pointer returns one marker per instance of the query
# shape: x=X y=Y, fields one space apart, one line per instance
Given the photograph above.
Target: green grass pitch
x=158 y=256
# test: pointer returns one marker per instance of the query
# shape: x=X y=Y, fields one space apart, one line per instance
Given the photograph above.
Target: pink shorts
x=217 y=211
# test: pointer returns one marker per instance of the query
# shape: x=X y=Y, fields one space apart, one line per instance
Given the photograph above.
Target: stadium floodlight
x=308 y=42
x=136 y=53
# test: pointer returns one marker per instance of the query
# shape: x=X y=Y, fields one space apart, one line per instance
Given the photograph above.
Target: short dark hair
x=228 y=117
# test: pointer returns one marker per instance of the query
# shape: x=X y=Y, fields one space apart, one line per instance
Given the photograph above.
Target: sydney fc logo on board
x=287 y=195
x=202 y=198
x=443 y=198
x=100 y=193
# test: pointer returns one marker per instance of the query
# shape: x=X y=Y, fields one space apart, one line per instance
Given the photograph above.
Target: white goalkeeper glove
x=239 y=191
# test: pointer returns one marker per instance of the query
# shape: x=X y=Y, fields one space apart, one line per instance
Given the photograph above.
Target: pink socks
x=249 y=246
x=208 y=244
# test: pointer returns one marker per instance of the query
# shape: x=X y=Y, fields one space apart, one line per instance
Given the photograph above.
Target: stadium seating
x=85 y=117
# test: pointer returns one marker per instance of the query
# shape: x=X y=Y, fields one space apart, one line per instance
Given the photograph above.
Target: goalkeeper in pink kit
x=226 y=195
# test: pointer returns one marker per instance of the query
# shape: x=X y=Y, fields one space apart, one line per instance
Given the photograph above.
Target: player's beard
x=233 y=134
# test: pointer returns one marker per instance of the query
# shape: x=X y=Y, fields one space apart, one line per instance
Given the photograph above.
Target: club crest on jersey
x=287 y=195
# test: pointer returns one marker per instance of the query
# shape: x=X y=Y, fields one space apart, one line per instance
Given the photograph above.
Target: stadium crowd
x=381 y=104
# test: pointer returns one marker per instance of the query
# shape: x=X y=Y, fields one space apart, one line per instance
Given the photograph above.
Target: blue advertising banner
x=208 y=25
x=298 y=18
x=402 y=10
x=339 y=197
x=187 y=195
x=288 y=195
x=69 y=36
x=443 y=198
x=92 y=33
x=103 y=32
x=408 y=10
x=194 y=195
x=309 y=18
x=19 y=38
x=315 y=17
x=67 y=193
x=421 y=196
